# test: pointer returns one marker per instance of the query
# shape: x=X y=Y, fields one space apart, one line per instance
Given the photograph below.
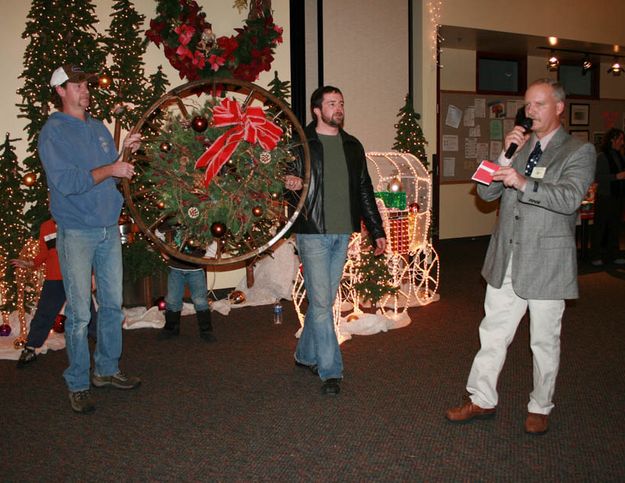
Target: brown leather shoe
x=536 y=424
x=469 y=411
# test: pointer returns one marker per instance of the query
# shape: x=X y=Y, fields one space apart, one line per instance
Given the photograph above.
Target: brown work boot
x=469 y=411
x=536 y=424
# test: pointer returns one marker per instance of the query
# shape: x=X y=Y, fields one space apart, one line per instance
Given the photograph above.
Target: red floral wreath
x=195 y=52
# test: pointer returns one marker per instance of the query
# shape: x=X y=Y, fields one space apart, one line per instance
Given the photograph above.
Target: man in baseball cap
x=70 y=73
x=82 y=168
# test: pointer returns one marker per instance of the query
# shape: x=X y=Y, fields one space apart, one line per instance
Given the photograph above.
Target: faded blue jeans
x=196 y=279
x=323 y=258
x=82 y=251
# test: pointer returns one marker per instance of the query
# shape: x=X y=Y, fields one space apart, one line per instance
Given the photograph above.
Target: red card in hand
x=484 y=172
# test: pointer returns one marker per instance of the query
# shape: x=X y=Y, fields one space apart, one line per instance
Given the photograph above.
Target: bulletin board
x=473 y=126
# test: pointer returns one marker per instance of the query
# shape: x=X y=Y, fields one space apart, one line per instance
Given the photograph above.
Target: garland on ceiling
x=194 y=50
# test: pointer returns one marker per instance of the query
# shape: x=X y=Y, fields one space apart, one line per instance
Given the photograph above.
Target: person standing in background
x=52 y=297
x=609 y=200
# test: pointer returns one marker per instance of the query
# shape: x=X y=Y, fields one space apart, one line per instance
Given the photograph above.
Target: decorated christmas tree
x=58 y=33
x=12 y=228
x=409 y=138
x=126 y=46
x=374 y=279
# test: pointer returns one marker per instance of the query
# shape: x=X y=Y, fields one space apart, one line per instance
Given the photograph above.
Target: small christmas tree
x=13 y=231
x=157 y=86
x=409 y=138
x=374 y=279
x=280 y=89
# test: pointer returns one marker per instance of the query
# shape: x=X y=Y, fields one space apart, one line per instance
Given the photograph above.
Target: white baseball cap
x=70 y=73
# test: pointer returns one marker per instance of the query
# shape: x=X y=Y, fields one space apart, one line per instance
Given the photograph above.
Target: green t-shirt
x=335 y=186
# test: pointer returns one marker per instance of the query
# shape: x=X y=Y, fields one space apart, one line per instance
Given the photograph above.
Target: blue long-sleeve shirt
x=70 y=149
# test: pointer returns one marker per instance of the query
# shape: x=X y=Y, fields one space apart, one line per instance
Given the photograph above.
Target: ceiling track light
x=586 y=64
x=553 y=62
x=616 y=68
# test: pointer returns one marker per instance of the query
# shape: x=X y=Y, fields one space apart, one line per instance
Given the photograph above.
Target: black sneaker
x=331 y=387
x=81 y=401
x=119 y=381
x=27 y=356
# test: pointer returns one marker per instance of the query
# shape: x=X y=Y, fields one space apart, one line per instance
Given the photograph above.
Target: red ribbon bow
x=250 y=125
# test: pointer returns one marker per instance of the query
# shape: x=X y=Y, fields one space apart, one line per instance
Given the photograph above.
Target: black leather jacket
x=362 y=200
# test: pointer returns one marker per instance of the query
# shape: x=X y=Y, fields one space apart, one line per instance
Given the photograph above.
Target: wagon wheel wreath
x=209 y=183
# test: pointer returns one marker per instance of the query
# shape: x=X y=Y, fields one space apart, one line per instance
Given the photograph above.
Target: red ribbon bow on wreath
x=250 y=125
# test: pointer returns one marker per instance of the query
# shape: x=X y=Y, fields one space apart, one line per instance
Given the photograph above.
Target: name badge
x=538 y=172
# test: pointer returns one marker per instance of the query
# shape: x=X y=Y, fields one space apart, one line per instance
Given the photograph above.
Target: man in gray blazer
x=531 y=260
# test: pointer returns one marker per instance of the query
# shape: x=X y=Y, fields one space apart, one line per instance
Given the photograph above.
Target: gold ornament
x=352 y=317
x=104 y=81
x=19 y=343
x=395 y=185
x=236 y=297
x=29 y=179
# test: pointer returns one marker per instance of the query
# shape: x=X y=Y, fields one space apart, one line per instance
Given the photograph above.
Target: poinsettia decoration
x=197 y=53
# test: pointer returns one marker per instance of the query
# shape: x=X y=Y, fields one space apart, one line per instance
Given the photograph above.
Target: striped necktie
x=533 y=159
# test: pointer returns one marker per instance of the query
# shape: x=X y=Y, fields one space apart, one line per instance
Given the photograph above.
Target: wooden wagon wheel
x=170 y=225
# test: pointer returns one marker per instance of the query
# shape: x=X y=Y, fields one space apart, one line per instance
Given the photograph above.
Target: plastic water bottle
x=277 y=312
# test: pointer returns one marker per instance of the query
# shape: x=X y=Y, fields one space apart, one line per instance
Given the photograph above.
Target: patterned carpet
x=239 y=410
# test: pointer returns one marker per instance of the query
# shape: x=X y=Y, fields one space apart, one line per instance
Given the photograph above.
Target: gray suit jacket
x=539 y=224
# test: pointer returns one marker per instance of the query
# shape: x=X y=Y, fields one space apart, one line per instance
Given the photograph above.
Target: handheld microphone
x=523 y=121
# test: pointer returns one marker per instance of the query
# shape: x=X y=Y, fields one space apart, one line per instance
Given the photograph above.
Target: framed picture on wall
x=579 y=114
x=597 y=138
x=582 y=135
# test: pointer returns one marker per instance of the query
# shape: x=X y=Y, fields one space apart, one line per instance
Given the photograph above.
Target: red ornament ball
x=257 y=211
x=414 y=207
x=218 y=229
x=5 y=330
x=160 y=303
x=59 y=324
x=199 y=124
x=165 y=147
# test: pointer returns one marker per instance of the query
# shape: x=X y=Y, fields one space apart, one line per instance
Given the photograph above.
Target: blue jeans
x=323 y=258
x=82 y=251
x=196 y=279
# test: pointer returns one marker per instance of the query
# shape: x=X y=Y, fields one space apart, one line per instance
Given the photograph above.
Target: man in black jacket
x=339 y=196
